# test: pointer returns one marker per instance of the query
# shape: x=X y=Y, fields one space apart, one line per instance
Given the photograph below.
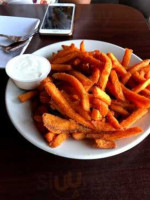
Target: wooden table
x=29 y=173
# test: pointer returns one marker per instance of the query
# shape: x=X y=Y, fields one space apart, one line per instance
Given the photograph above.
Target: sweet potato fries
x=90 y=95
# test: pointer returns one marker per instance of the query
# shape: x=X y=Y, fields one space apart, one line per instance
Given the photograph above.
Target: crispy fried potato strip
x=59 y=125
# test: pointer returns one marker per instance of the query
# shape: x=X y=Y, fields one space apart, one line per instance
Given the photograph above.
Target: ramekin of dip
x=28 y=70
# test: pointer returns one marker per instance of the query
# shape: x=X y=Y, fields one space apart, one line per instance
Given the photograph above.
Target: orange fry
x=104 y=144
x=139 y=66
x=138 y=100
x=119 y=109
x=136 y=115
x=98 y=93
x=66 y=51
x=77 y=85
x=127 y=57
x=115 y=135
x=96 y=115
x=91 y=60
x=95 y=75
x=100 y=105
x=78 y=136
x=126 y=77
x=59 y=139
x=116 y=64
x=117 y=87
x=123 y=104
x=44 y=98
x=61 y=67
x=141 y=86
x=86 y=82
x=66 y=58
x=42 y=84
x=49 y=136
x=136 y=76
x=147 y=75
x=102 y=126
x=105 y=72
x=82 y=47
x=59 y=125
x=113 y=121
x=145 y=93
x=27 y=96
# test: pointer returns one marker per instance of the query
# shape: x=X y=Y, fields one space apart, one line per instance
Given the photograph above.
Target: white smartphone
x=58 y=19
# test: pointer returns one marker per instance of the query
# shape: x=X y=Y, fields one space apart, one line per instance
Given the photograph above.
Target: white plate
x=20 y=113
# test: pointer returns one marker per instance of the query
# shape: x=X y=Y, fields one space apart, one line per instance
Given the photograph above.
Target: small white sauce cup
x=30 y=83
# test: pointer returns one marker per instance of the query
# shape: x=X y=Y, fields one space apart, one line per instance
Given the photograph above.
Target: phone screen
x=58 y=17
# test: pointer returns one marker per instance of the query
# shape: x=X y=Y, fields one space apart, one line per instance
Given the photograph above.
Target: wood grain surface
x=28 y=173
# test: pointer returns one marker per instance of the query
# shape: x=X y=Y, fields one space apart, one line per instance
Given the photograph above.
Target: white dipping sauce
x=27 y=67
x=28 y=70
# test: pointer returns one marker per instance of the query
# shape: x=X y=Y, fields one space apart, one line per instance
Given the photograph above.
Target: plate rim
x=86 y=157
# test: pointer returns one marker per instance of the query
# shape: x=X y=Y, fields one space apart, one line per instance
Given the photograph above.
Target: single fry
x=59 y=139
x=86 y=82
x=66 y=58
x=27 y=96
x=91 y=60
x=61 y=67
x=137 y=77
x=139 y=66
x=127 y=57
x=110 y=88
x=145 y=93
x=138 y=100
x=117 y=87
x=59 y=125
x=115 y=135
x=96 y=115
x=82 y=47
x=42 y=84
x=147 y=75
x=126 y=77
x=105 y=72
x=102 y=126
x=141 y=86
x=95 y=75
x=123 y=104
x=78 y=136
x=104 y=144
x=62 y=53
x=113 y=121
x=136 y=115
x=119 y=109
x=100 y=105
x=98 y=93
x=49 y=136
x=44 y=98
x=116 y=64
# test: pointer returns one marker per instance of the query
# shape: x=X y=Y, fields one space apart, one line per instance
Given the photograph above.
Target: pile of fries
x=90 y=95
